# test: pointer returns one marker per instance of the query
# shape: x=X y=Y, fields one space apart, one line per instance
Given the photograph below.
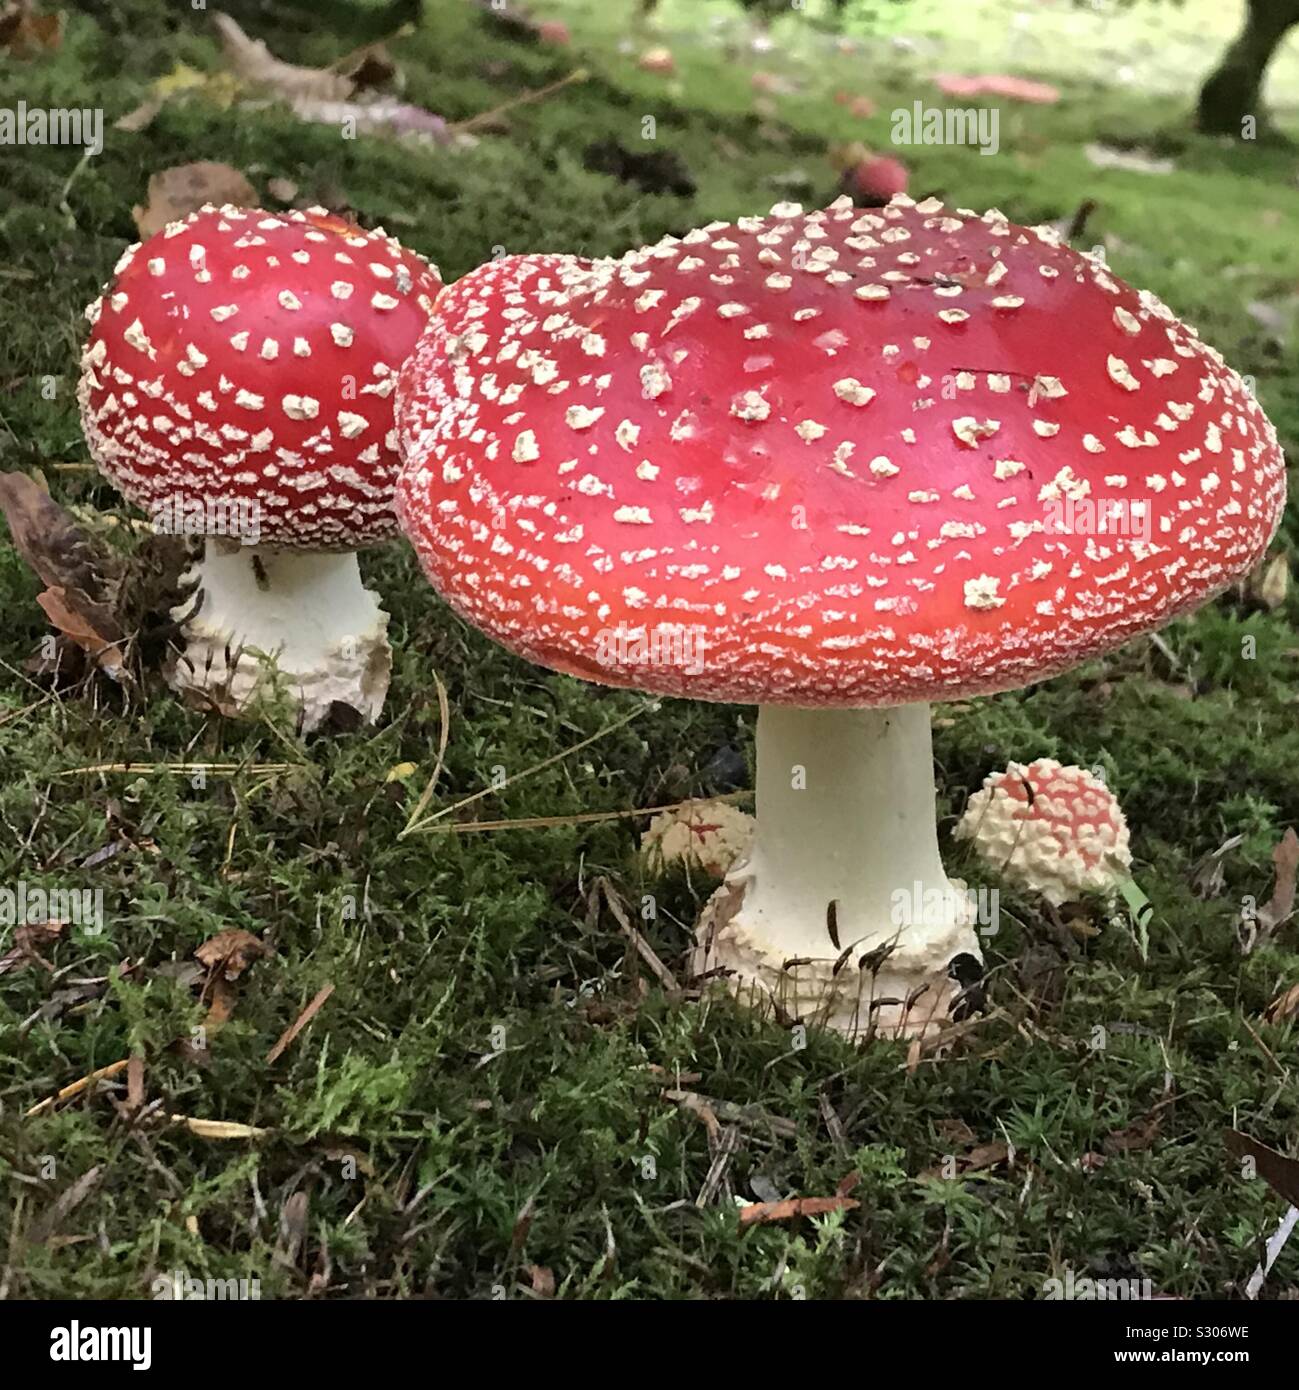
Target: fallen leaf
x=230 y=952
x=1272 y=582
x=1129 y=161
x=955 y=1131
x=27 y=35
x=175 y=193
x=395 y=118
x=1279 y=1172
x=29 y=938
x=135 y=1083
x=763 y=1213
x=81 y=575
x=1257 y=925
x=251 y=60
x=1283 y=1006
x=103 y=647
x=219 y=1129
x=986 y=1156
x=221 y=1006
x=1137 y=1136
x=999 y=85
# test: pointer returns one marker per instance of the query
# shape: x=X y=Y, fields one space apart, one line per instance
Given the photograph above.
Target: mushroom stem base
x=302 y=617
x=911 y=991
x=842 y=914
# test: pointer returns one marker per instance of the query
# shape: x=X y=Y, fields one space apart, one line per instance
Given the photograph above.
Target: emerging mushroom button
x=237 y=384
x=837 y=464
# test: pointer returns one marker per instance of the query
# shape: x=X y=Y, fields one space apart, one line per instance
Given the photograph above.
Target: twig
x=299 y=1024
x=528 y=771
x=647 y=953
x=472 y=827
x=76 y=1088
x=444 y=730
x=483 y=117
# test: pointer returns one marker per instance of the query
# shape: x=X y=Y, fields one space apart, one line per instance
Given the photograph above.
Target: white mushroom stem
x=305 y=612
x=846 y=836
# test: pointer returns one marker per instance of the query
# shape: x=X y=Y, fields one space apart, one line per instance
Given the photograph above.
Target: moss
x=490 y=1043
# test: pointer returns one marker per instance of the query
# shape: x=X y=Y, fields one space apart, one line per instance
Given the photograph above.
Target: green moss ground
x=433 y=942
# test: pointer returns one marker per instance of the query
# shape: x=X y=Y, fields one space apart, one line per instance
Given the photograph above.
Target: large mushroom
x=837 y=464
x=237 y=384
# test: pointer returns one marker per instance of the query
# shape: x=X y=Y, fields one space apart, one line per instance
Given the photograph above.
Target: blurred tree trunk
x=1232 y=92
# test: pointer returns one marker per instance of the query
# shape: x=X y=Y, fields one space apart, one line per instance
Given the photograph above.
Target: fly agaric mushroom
x=837 y=464
x=710 y=835
x=1057 y=831
x=237 y=385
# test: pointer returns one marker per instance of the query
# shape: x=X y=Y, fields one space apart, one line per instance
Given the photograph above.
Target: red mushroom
x=838 y=464
x=1057 y=831
x=237 y=384
x=875 y=180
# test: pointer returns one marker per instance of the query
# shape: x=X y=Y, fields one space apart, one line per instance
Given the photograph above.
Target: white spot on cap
x=750 y=405
x=581 y=417
x=851 y=390
x=301 y=407
x=981 y=593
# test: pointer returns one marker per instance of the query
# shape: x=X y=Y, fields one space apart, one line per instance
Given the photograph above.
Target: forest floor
x=482 y=1101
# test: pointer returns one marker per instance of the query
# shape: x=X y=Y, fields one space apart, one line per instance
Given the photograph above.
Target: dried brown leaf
x=29 y=939
x=1283 y=1006
x=252 y=61
x=763 y=1213
x=27 y=35
x=1137 y=1136
x=230 y=952
x=175 y=193
x=1279 y=1172
x=105 y=648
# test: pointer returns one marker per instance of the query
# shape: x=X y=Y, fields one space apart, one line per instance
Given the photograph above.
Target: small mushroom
x=237 y=385
x=836 y=464
x=709 y=835
x=1056 y=831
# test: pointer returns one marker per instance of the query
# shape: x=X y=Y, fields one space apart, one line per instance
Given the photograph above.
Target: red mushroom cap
x=840 y=458
x=879 y=177
x=247 y=356
x=1056 y=829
